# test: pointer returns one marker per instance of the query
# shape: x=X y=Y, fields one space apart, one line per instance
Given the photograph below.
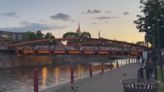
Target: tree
x=84 y=36
x=70 y=35
x=151 y=21
x=79 y=37
x=39 y=34
x=29 y=36
x=49 y=36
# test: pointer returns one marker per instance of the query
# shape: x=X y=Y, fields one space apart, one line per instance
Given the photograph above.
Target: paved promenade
x=106 y=82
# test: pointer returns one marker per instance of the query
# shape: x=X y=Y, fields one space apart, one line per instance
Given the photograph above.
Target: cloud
x=9 y=14
x=107 y=11
x=27 y=26
x=43 y=21
x=96 y=23
x=89 y=11
x=62 y=16
x=93 y=11
x=105 y=18
x=126 y=13
x=106 y=21
x=83 y=13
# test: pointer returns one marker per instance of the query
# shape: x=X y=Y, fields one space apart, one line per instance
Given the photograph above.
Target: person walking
x=149 y=67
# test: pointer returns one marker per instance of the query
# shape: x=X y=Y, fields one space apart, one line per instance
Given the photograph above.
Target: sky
x=112 y=18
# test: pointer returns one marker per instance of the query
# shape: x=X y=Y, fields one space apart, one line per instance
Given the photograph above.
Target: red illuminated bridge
x=71 y=46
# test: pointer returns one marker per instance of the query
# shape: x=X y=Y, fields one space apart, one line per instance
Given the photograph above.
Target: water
x=21 y=79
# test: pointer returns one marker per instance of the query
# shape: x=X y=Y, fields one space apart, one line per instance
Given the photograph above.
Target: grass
x=161 y=85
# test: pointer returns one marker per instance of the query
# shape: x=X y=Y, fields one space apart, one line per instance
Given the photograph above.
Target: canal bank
x=110 y=81
x=21 y=79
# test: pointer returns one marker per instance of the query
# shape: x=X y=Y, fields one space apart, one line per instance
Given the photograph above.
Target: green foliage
x=151 y=20
x=70 y=35
x=49 y=36
x=38 y=35
x=82 y=36
x=161 y=85
x=86 y=35
x=29 y=36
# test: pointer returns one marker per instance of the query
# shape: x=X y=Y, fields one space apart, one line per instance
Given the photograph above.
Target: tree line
x=39 y=35
x=151 y=21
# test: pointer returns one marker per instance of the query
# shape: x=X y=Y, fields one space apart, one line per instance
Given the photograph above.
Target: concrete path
x=106 y=82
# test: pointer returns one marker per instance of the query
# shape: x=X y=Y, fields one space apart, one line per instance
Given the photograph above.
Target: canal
x=21 y=79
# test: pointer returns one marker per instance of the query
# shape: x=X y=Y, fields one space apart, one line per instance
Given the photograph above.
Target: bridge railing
x=53 y=47
x=79 y=52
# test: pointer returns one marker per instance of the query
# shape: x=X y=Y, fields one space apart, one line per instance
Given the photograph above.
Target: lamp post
x=154 y=58
x=159 y=51
x=158 y=38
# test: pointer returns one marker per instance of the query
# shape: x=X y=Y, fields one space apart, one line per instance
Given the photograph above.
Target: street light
x=158 y=37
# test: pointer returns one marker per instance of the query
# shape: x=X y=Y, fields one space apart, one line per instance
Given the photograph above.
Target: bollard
x=141 y=73
x=117 y=64
x=36 y=88
x=111 y=65
x=90 y=70
x=71 y=75
x=102 y=67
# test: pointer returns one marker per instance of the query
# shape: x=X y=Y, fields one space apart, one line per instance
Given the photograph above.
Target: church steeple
x=78 y=29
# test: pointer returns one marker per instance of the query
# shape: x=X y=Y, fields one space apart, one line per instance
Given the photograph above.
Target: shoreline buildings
x=7 y=37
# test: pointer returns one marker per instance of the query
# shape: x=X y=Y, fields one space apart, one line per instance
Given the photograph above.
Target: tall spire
x=99 y=35
x=78 y=29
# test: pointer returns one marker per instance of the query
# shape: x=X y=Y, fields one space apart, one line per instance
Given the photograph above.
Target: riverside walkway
x=110 y=81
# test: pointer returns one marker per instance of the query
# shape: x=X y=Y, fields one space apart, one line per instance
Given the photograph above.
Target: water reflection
x=57 y=75
x=21 y=79
x=44 y=76
x=79 y=72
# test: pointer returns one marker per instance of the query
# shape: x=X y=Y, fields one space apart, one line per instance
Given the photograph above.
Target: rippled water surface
x=21 y=79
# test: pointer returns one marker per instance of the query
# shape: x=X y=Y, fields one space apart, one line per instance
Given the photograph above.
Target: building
x=142 y=43
x=7 y=38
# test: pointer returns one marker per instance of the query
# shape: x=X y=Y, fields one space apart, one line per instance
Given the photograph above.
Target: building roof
x=12 y=32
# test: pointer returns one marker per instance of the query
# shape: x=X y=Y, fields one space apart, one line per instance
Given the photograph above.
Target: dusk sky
x=113 y=18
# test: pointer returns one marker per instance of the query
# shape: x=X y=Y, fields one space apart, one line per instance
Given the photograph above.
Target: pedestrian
x=142 y=59
x=138 y=58
x=149 y=68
